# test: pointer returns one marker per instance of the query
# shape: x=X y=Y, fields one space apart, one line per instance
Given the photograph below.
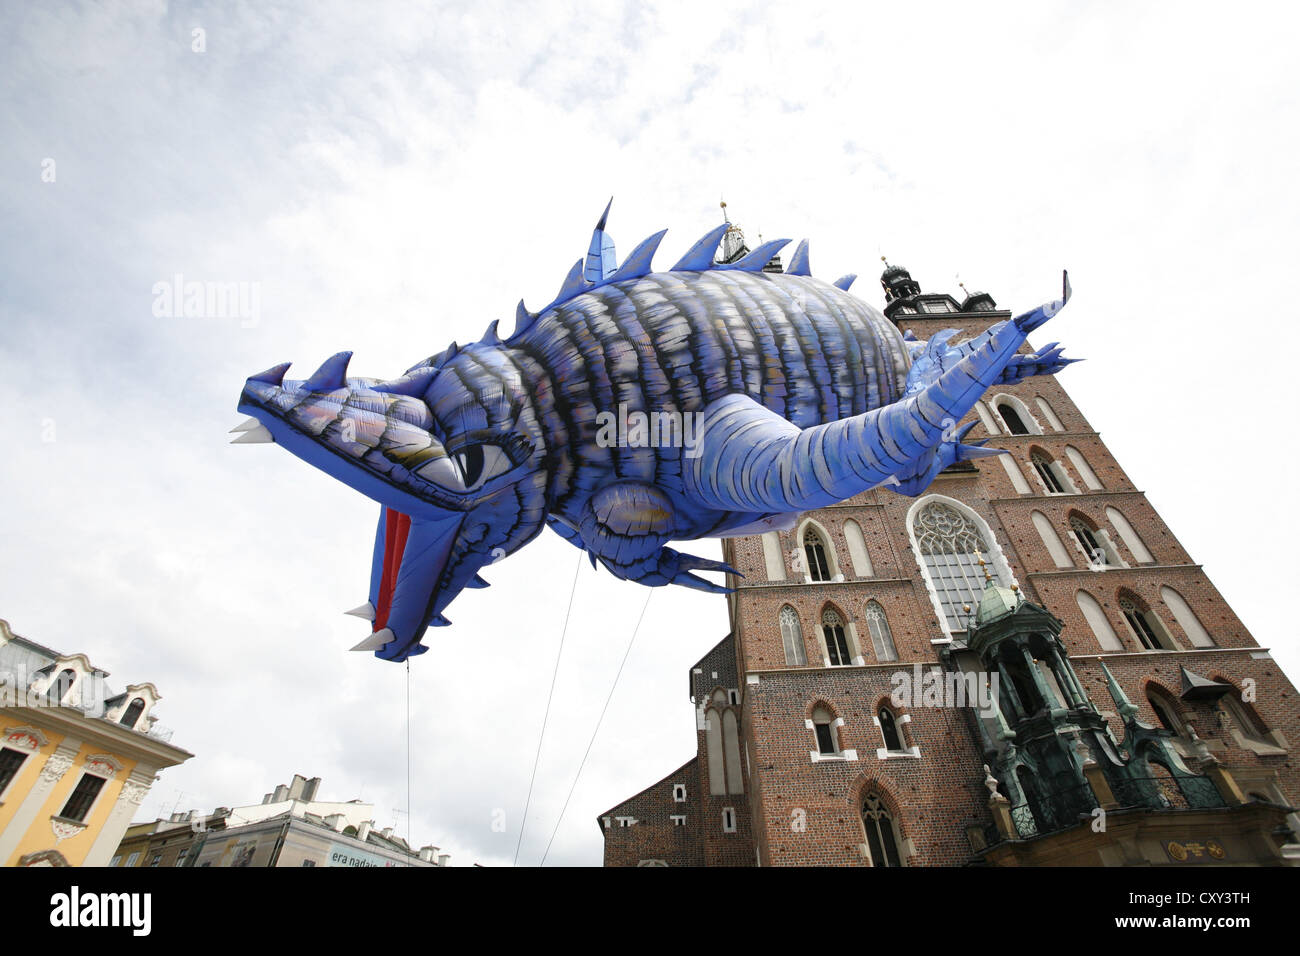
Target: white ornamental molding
x=63 y=829
x=56 y=765
x=133 y=792
x=102 y=765
x=24 y=738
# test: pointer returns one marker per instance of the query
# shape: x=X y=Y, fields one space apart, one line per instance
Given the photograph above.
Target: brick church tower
x=1022 y=665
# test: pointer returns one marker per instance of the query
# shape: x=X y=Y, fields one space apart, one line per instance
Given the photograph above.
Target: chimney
x=309 y=789
x=443 y=859
x=296 y=785
x=337 y=821
x=386 y=832
x=363 y=831
x=426 y=853
x=280 y=795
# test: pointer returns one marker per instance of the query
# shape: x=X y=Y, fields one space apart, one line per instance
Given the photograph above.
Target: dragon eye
x=468 y=468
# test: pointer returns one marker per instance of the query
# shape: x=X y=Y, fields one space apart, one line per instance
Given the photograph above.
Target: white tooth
x=376 y=640
x=366 y=611
x=254 y=436
x=248 y=424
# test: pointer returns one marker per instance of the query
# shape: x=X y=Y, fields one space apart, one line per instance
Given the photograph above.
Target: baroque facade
x=76 y=759
x=1022 y=665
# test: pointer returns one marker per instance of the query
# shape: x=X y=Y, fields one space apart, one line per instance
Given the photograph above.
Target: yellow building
x=76 y=760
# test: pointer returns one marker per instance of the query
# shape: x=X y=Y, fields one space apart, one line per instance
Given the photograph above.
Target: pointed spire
x=1122 y=703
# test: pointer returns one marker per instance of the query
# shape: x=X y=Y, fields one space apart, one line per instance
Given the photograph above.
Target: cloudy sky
x=388 y=178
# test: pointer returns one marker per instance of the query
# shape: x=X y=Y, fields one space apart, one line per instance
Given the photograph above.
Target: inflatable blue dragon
x=636 y=409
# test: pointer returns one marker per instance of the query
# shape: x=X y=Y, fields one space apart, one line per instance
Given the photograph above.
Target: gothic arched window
x=1146 y=626
x=950 y=545
x=1050 y=472
x=882 y=837
x=889 y=730
x=824 y=730
x=837 y=644
x=814 y=549
x=882 y=639
x=1012 y=417
x=792 y=636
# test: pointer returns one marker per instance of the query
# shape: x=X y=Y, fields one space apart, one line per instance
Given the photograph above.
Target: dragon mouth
x=408 y=574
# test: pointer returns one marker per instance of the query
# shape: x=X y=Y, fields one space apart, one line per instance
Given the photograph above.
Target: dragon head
x=452 y=452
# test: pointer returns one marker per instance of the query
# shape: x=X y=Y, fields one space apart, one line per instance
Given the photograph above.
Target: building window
x=679 y=793
x=83 y=797
x=1053 y=478
x=1015 y=425
x=10 y=762
x=889 y=730
x=1094 y=544
x=133 y=859
x=307 y=863
x=180 y=857
x=728 y=820
x=951 y=544
x=116 y=860
x=157 y=858
x=60 y=686
x=679 y=819
x=1241 y=716
x=824 y=729
x=133 y=712
x=882 y=639
x=814 y=549
x=1165 y=711
x=882 y=840
x=792 y=636
x=837 y=645
x=1146 y=628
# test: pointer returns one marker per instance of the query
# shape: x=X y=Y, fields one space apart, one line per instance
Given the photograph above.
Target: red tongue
x=396 y=528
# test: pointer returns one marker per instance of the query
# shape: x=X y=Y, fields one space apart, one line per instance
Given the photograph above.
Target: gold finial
x=984 y=566
x=966 y=608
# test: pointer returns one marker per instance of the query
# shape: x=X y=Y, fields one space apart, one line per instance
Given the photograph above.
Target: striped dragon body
x=636 y=409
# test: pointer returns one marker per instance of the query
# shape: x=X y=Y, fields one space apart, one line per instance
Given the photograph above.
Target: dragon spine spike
x=574 y=284
x=843 y=282
x=601 y=257
x=248 y=424
x=365 y=611
x=799 y=261
x=637 y=263
x=439 y=621
x=760 y=257
x=700 y=256
x=478 y=581
x=331 y=375
x=490 y=337
x=273 y=375
x=414 y=383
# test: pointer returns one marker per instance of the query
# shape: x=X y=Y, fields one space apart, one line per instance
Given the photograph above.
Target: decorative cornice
x=55 y=766
x=25 y=738
x=65 y=829
x=103 y=764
